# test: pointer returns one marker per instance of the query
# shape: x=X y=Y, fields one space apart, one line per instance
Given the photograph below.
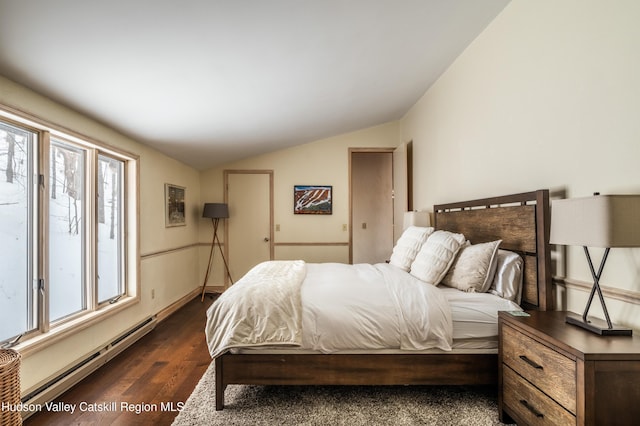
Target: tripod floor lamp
x=215 y=211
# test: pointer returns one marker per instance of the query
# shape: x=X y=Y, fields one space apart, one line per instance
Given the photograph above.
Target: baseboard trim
x=172 y=308
x=213 y=289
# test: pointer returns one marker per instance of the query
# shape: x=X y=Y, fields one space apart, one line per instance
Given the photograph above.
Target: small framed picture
x=174 y=197
x=312 y=199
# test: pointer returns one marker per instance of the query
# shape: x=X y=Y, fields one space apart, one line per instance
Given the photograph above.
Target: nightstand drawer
x=531 y=405
x=549 y=371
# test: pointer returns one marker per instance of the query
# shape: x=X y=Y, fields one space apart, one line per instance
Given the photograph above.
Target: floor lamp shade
x=604 y=221
x=215 y=210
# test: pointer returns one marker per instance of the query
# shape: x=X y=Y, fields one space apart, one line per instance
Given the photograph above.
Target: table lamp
x=604 y=221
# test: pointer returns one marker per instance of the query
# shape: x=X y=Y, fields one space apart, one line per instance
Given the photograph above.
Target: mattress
x=475 y=327
x=475 y=315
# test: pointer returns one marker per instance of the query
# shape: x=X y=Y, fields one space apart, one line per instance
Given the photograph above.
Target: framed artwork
x=312 y=199
x=174 y=205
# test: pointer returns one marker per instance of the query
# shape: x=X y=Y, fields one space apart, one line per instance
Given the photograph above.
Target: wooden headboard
x=521 y=221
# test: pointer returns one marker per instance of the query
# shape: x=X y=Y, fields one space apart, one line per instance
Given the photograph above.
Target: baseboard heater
x=85 y=366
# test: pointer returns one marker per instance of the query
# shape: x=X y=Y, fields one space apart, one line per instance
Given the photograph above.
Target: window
x=110 y=281
x=64 y=223
x=67 y=230
x=18 y=152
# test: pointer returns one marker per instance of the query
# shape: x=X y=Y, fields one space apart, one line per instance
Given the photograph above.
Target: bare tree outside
x=11 y=147
x=114 y=201
x=101 y=184
x=110 y=233
x=54 y=172
x=72 y=186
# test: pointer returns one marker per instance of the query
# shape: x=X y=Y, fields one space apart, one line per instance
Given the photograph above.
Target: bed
x=520 y=221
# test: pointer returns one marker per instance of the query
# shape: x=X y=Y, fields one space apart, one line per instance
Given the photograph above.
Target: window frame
x=122 y=247
x=86 y=213
x=33 y=231
x=48 y=332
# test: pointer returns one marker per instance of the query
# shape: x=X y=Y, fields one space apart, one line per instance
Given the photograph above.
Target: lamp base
x=597 y=326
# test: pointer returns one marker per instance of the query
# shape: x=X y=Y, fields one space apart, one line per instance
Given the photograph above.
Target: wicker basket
x=10 y=413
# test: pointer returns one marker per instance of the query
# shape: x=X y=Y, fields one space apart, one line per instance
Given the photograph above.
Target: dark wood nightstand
x=554 y=373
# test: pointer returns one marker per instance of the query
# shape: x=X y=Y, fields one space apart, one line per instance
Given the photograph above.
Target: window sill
x=40 y=341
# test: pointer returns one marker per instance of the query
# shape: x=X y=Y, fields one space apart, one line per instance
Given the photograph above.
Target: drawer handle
x=531 y=363
x=537 y=413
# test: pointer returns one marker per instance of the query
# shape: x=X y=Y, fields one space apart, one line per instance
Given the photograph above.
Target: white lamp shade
x=597 y=221
x=416 y=218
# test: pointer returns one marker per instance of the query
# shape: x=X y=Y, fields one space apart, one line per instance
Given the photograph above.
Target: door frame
x=226 y=174
x=351 y=152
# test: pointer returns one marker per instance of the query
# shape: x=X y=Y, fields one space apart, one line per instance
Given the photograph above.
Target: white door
x=249 y=235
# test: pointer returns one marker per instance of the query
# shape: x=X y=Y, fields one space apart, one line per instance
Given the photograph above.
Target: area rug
x=340 y=405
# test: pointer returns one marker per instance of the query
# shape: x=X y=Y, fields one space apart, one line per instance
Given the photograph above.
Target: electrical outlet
x=344 y=227
x=153 y=293
x=277 y=227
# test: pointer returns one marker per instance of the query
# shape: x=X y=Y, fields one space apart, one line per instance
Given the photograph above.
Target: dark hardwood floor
x=161 y=368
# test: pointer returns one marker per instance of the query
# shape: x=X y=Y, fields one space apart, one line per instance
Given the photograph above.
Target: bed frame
x=520 y=220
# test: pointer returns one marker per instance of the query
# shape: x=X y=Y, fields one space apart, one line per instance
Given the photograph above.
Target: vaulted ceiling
x=208 y=82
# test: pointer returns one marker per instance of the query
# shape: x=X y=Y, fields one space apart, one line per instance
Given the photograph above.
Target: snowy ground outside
x=66 y=250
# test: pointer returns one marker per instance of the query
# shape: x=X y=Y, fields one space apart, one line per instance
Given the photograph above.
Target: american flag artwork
x=312 y=199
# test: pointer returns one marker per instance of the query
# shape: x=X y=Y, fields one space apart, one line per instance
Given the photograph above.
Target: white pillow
x=507 y=281
x=408 y=246
x=473 y=268
x=436 y=255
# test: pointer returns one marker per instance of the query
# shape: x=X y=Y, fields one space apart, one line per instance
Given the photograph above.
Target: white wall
x=547 y=96
x=172 y=275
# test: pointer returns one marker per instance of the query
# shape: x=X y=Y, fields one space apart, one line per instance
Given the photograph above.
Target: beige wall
x=172 y=275
x=324 y=162
x=547 y=96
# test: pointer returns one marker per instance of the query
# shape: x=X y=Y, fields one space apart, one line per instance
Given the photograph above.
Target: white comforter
x=342 y=307
x=262 y=308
